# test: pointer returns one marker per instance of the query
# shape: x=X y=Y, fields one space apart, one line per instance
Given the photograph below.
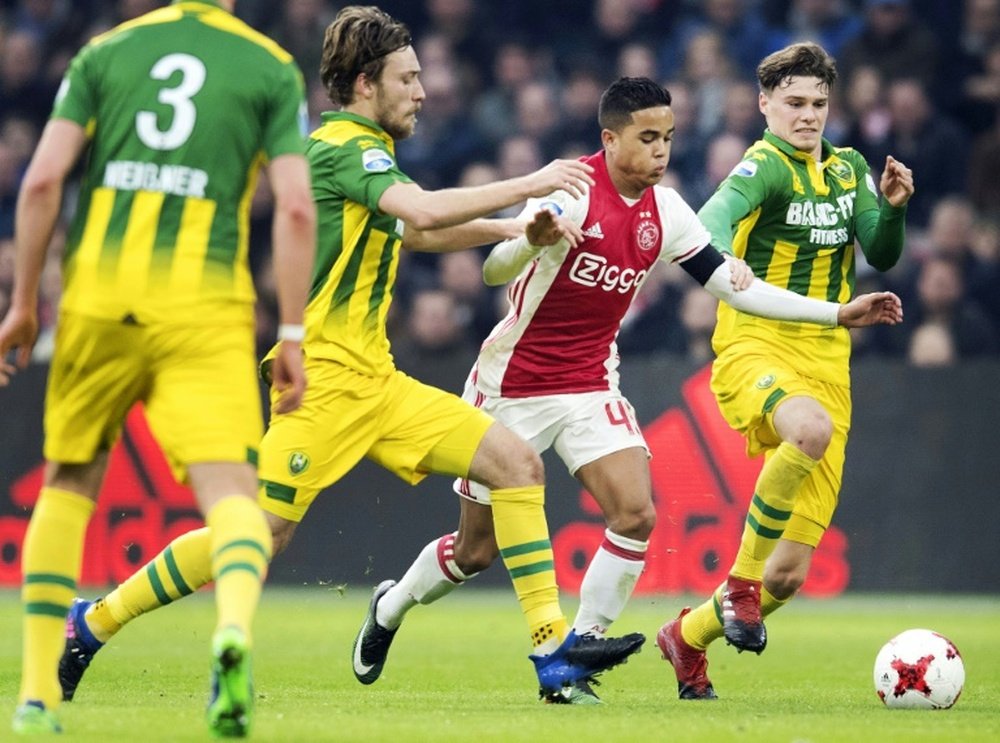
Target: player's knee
x=523 y=467
x=812 y=433
x=635 y=523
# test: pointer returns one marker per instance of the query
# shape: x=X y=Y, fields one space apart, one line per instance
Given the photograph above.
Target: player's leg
x=620 y=484
x=451 y=437
x=443 y=565
x=93 y=379
x=204 y=409
x=805 y=429
x=51 y=557
x=513 y=472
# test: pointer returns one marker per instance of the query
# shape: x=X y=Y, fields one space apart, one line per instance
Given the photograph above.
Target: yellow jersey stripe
x=223 y=21
x=779 y=270
x=83 y=265
x=192 y=246
x=819 y=277
x=137 y=243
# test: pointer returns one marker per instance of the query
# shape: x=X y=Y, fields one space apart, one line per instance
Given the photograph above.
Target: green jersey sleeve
x=77 y=96
x=362 y=169
x=286 y=126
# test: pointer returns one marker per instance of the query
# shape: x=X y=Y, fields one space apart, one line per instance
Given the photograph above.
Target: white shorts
x=583 y=427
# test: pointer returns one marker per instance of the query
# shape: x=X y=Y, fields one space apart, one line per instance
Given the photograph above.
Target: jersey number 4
x=619 y=414
x=178 y=98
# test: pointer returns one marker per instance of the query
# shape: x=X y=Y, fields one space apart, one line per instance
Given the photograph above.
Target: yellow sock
x=240 y=549
x=769 y=604
x=770 y=509
x=50 y=560
x=184 y=566
x=523 y=538
x=704 y=623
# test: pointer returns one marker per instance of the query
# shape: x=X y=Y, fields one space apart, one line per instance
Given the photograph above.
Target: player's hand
x=288 y=377
x=741 y=275
x=571 y=176
x=877 y=308
x=896 y=184
x=546 y=229
x=19 y=330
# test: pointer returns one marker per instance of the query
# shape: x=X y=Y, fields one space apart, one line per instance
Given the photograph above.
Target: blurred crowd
x=513 y=84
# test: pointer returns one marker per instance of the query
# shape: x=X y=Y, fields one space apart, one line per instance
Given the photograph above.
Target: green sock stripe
x=251 y=543
x=246 y=566
x=532 y=569
x=525 y=548
x=717 y=607
x=46 y=609
x=763 y=531
x=175 y=572
x=770 y=511
x=157 y=585
x=54 y=578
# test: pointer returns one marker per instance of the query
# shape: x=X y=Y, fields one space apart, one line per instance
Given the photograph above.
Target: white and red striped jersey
x=567 y=304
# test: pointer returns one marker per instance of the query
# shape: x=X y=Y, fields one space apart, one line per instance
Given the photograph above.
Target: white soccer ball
x=919 y=669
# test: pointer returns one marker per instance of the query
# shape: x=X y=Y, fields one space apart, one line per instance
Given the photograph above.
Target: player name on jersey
x=179 y=180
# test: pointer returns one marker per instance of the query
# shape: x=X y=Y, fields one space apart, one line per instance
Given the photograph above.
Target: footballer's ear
x=364 y=87
x=609 y=138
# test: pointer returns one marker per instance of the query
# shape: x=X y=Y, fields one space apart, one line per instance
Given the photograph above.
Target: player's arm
x=881 y=229
x=708 y=267
x=431 y=210
x=721 y=213
x=294 y=245
x=462 y=236
x=38 y=204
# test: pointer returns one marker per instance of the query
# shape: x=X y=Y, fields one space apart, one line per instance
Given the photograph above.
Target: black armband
x=702 y=264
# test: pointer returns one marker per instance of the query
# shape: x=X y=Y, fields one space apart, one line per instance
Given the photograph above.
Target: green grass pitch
x=458 y=672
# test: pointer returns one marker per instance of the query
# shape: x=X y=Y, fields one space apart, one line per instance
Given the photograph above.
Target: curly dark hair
x=356 y=43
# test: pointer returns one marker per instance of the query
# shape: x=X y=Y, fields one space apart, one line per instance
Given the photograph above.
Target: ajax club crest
x=647 y=234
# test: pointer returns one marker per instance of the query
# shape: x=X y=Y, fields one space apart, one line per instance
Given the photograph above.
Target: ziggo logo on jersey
x=594 y=270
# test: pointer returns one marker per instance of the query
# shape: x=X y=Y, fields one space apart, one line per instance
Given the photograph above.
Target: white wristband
x=294 y=333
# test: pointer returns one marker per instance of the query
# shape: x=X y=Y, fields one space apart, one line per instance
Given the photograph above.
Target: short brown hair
x=798 y=60
x=355 y=43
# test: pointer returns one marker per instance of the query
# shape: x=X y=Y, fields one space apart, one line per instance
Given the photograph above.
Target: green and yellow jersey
x=353 y=162
x=183 y=106
x=798 y=233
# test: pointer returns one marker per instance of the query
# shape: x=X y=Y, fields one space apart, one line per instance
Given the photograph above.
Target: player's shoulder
x=235 y=31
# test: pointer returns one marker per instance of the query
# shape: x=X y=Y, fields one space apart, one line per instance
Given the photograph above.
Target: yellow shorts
x=410 y=428
x=749 y=386
x=199 y=386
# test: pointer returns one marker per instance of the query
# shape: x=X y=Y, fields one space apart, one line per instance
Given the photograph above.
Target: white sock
x=432 y=575
x=608 y=583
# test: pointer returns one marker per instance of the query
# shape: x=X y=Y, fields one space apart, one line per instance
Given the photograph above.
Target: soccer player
x=178 y=110
x=358 y=404
x=548 y=369
x=792 y=209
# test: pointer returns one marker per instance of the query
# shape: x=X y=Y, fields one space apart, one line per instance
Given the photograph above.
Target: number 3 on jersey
x=178 y=97
x=620 y=414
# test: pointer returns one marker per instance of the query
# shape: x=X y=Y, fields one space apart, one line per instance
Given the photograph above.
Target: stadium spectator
x=297 y=26
x=708 y=70
x=724 y=153
x=514 y=66
x=895 y=42
x=740 y=30
x=932 y=143
x=830 y=23
x=931 y=345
